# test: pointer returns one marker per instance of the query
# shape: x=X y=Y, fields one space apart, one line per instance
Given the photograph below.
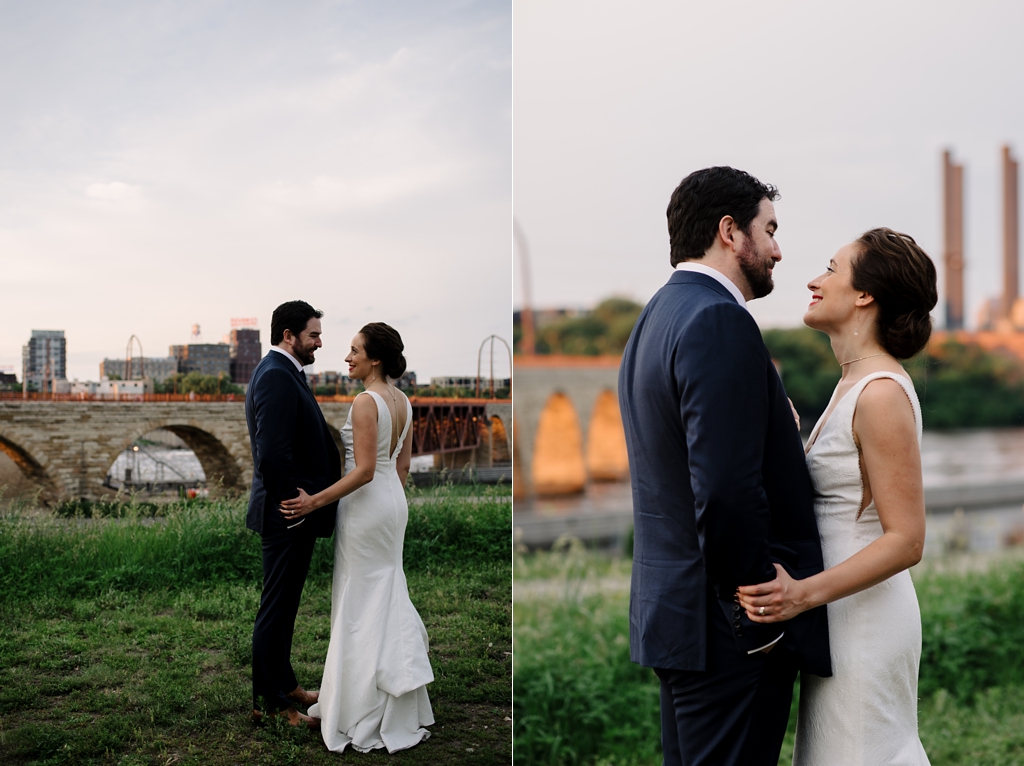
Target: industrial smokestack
x=953 y=240
x=1010 y=235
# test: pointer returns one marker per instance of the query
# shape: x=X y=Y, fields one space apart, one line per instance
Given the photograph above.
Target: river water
x=949 y=459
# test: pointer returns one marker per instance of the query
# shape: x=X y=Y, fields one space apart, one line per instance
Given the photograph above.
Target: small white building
x=114 y=389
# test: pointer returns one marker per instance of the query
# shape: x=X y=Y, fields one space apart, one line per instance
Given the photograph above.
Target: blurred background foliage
x=960 y=385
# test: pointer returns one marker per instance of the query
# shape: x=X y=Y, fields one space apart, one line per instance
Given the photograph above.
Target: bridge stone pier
x=66 y=448
x=568 y=427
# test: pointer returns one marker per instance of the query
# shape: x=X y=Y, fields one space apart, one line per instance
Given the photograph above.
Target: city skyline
x=171 y=164
x=846 y=109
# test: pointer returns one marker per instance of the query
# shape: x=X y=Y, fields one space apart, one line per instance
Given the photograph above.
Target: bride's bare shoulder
x=884 y=407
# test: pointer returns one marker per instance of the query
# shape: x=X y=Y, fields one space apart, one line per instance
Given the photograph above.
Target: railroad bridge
x=65 y=446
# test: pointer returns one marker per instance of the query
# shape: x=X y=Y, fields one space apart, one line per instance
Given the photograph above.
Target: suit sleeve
x=721 y=374
x=275 y=406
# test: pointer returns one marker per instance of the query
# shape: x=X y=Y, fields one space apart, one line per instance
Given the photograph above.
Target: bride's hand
x=781 y=598
x=297 y=506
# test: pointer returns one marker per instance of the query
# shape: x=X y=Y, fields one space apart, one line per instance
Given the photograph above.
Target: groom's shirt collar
x=727 y=283
x=289 y=357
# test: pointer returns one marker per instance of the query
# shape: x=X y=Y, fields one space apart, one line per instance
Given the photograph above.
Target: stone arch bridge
x=66 y=447
x=567 y=424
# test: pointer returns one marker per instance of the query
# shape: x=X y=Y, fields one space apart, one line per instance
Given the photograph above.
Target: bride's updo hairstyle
x=900 y=276
x=382 y=342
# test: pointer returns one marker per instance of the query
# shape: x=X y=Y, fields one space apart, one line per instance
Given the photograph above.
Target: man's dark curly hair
x=703 y=199
x=294 y=316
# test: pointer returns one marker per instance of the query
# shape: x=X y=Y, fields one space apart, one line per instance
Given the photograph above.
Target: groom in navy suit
x=292 y=447
x=721 y=492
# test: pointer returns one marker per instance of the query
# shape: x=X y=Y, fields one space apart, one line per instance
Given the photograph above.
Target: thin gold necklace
x=859 y=358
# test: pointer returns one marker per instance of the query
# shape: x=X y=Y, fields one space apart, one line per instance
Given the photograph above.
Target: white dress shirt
x=296 y=362
x=727 y=283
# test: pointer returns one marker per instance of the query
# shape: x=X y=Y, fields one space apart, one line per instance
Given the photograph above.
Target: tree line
x=960 y=385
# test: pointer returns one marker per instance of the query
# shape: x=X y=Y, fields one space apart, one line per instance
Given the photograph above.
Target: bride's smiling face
x=360 y=366
x=833 y=297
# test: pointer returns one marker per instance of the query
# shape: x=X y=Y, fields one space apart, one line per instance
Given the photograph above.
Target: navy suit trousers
x=733 y=713
x=286 y=557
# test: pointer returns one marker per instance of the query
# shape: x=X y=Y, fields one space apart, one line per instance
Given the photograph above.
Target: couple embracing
x=743 y=536
x=373 y=691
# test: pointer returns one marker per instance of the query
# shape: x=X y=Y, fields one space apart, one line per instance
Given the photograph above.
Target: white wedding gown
x=373 y=691
x=866 y=713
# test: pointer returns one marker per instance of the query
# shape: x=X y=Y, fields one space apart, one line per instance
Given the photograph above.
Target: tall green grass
x=972 y=631
x=199 y=541
x=579 y=700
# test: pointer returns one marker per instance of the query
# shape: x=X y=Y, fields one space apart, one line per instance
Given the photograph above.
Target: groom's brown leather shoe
x=302 y=697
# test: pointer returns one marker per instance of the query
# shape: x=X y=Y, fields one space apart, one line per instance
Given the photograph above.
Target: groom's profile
x=720 y=488
x=292 y=447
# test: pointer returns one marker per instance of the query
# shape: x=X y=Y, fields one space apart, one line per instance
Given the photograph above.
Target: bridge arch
x=31 y=469
x=558 y=465
x=606 y=456
x=224 y=470
x=499 y=441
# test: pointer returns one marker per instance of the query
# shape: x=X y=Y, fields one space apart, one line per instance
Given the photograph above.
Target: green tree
x=604 y=330
x=965 y=386
x=197 y=383
x=959 y=385
x=808 y=368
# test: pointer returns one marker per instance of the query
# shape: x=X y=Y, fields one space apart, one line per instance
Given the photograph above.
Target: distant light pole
x=480 y=354
x=529 y=342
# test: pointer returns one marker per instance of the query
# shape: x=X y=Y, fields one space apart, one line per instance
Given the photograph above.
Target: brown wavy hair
x=382 y=342
x=901 y=277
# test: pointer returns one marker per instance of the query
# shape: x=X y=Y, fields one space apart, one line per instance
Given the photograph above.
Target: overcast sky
x=845 y=107
x=169 y=163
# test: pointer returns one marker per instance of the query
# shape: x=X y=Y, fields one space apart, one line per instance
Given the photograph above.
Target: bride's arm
x=891 y=464
x=364 y=446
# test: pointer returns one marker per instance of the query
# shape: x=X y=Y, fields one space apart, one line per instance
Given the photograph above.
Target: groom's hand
x=774 y=601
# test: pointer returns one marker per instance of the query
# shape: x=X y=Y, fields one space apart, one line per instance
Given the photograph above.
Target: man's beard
x=305 y=353
x=756 y=268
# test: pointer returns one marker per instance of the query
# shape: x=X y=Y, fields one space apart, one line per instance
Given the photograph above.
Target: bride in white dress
x=864 y=459
x=373 y=692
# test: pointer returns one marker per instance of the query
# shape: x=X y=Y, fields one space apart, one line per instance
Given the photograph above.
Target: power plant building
x=157 y=369
x=205 y=358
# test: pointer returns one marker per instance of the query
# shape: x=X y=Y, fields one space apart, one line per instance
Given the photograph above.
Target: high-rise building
x=44 y=361
x=246 y=352
x=205 y=358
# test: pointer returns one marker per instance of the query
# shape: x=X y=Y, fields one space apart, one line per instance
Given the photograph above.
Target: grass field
x=127 y=640
x=579 y=700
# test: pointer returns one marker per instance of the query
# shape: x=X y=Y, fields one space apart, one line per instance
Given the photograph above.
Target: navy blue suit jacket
x=292 y=447
x=720 y=486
